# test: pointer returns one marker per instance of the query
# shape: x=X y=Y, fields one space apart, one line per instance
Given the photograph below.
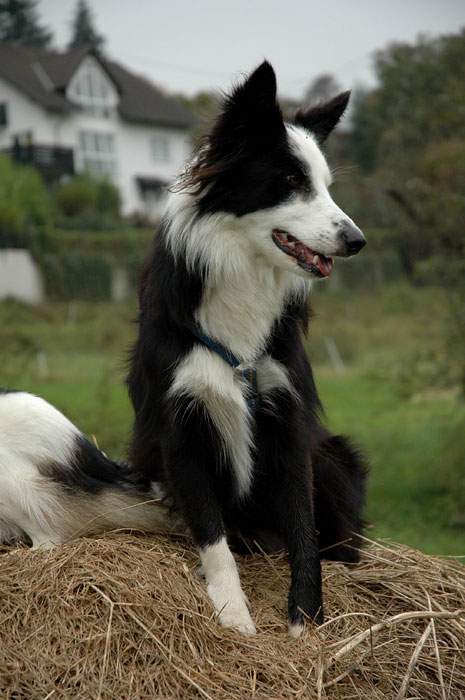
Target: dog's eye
x=293 y=180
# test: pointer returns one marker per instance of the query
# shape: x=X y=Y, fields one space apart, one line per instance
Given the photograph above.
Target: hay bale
x=124 y=616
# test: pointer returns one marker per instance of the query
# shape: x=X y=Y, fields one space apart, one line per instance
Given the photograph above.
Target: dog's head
x=271 y=179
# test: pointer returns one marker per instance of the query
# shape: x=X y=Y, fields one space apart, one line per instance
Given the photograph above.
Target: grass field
x=383 y=387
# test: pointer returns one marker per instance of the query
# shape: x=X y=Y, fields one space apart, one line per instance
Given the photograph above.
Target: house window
x=92 y=91
x=160 y=148
x=98 y=153
x=3 y=114
x=153 y=195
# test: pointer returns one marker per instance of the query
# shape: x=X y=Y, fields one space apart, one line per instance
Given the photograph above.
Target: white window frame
x=160 y=148
x=97 y=150
x=92 y=90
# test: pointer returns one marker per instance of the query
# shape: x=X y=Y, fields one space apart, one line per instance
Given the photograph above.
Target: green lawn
x=404 y=440
x=411 y=429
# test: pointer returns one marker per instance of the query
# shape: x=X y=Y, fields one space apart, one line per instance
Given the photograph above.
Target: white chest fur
x=204 y=377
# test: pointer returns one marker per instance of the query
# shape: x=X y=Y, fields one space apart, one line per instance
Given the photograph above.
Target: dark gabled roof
x=43 y=76
x=140 y=100
x=25 y=69
x=61 y=66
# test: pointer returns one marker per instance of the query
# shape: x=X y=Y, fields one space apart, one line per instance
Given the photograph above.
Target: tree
x=19 y=24
x=409 y=137
x=205 y=106
x=321 y=89
x=419 y=100
x=416 y=112
x=83 y=30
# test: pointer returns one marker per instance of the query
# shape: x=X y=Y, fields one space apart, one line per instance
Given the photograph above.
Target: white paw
x=224 y=587
x=237 y=618
x=296 y=629
x=43 y=544
x=231 y=605
x=43 y=540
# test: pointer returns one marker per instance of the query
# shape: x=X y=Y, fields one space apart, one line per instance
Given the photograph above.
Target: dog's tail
x=56 y=485
x=339 y=473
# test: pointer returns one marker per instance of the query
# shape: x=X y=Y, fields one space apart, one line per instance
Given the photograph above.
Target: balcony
x=53 y=162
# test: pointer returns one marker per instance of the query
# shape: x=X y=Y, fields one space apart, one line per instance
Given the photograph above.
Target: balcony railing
x=52 y=161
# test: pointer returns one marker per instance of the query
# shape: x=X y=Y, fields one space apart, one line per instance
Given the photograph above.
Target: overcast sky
x=189 y=45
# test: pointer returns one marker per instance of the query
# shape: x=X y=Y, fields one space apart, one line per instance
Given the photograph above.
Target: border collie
x=56 y=485
x=227 y=414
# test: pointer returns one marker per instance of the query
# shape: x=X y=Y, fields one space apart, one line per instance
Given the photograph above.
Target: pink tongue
x=325 y=265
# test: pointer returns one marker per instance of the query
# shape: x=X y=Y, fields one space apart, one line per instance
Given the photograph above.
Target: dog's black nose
x=353 y=238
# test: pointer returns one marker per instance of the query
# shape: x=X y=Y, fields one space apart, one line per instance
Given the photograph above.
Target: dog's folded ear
x=251 y=115
x=321 y=119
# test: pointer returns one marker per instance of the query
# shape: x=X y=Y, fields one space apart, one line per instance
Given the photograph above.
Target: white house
x=78 y=111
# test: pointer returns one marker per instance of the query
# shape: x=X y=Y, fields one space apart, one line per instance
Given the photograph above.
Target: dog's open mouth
x=306 y=258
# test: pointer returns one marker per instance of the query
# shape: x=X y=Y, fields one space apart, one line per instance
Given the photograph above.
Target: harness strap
x=213 y=345
x=248 y=374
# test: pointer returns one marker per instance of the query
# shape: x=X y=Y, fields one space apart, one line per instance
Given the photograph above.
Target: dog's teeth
x=316 y=260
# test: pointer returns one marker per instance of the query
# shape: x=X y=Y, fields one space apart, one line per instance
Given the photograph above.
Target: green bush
x=25 y=207
x=76 y=276
x=76 y=197
x=85 y=202
x=108 y=199
x=12 y=230
x=122 y=248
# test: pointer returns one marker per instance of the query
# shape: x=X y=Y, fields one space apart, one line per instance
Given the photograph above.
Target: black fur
x=249 y=166
x=89 y=470
x=322 y=119
x=308 y=486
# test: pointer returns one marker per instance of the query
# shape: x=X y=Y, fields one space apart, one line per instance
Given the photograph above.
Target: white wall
x=78 y=90
x=133 y=152
x=26 y=115
x=136 y=159
x=20 y=277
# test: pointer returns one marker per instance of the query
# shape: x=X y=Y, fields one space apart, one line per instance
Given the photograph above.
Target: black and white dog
x=227 y=414
x=56 y=485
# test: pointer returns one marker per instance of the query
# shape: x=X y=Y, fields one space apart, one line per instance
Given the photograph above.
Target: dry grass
x=124 y=616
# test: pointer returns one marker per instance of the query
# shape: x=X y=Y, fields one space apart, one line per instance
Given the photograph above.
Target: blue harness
x=248 y=374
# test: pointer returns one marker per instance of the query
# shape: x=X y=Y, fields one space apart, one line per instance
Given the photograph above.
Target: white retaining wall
x=20 y=277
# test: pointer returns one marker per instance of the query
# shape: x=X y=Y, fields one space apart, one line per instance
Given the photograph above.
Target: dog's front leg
x=295 y=520
x=218 y=564
x=224 y=586
x=190 y=468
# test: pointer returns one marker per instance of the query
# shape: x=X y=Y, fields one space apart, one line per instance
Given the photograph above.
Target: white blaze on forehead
x=306 y=149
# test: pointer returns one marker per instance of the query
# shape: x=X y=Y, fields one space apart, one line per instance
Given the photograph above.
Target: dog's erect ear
x=257 y=94
x=249 y=124
x=251 y=115
x=322 y=119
